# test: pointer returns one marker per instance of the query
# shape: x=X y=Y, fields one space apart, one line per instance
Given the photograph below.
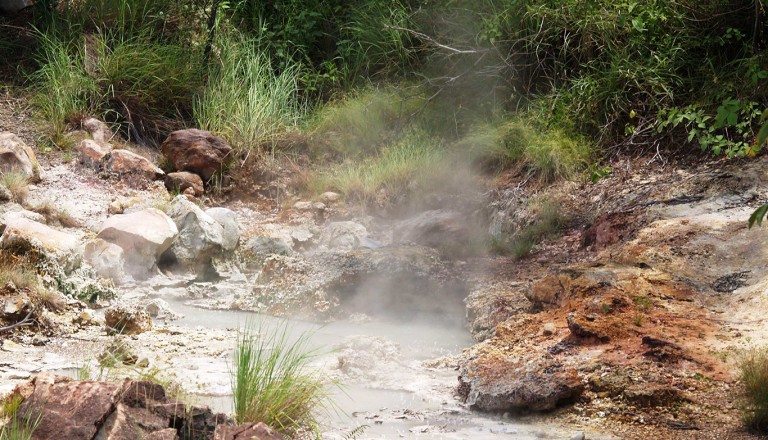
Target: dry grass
x=55 y=215
x=17 y=183
x=753 y=369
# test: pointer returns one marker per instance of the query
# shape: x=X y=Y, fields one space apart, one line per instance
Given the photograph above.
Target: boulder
x=127 y=320
x=439 y=229
x=15 y=155
x=22 y=235
x=266 y=245
x=200 y=236
x=128 y=164
x=143 y=235
x=343 y=235
x=496 y=383
x=230 y=231
x=98 y=130
x=329 y=197
x=106 y=258
x=69 y=409
x=197 y=151
x=92 y=153
x=16 y=211
x=14 y=6
x=181 y=180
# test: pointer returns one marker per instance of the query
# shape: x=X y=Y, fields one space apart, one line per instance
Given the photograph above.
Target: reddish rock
x=126 y=163
x=92 y=153
x=180 y=181
x=68 y=409
x=127 y=423
x=15 y=155
x=247 y=431
x=197 y=151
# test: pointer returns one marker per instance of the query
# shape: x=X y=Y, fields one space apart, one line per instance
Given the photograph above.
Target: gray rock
x=343 y=235
x=98 y=130
x=22 y=235
x=5 y=194
x=17 y=211
x=14 y=6
x=200 y=239
x=230 y=231
x=579 y=435
x=143 y=235
x=15 y=155
x=266 y=245
x=439 y=229
x=494 y=383
x=106 y=258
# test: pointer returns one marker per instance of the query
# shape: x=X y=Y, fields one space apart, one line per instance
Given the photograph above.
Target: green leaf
x=757 y=216
x=762 y=135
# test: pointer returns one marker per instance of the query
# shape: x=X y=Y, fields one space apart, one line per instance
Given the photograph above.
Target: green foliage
x=119 y=61
x=362 y=123
x=753 y=369
x=17 y=427
x=271 y=382
x=401 y=169
x=608 y=69
x=244 y=99
x=548 y=153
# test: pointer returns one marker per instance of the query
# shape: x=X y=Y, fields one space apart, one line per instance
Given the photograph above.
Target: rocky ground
x=628 y=323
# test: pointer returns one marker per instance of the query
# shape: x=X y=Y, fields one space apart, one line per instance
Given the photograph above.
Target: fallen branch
x=28 y=320
x=435 y=42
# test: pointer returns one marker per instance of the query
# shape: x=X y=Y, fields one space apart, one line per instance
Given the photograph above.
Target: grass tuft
x=17 y=184
x=753 y=368
x=271 y=382
x=548 y=223
x=17 y=427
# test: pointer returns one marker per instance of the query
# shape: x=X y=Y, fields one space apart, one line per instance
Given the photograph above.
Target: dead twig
x=28 y=320
x=429 y=39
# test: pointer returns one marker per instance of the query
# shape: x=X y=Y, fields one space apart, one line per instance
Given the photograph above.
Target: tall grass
x=245 y=100
x=271 y=382
x=753 y=369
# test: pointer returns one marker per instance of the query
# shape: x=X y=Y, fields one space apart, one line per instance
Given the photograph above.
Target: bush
x=753 y=369
x=271 y=382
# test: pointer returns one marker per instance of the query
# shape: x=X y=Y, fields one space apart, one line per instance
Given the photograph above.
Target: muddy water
x=387 y=388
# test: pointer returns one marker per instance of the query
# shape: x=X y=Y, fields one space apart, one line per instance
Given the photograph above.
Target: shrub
x=753 y=369
x=271 y=382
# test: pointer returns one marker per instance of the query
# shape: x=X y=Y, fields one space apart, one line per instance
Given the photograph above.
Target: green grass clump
x=245 y=100
x=753 y=369
x=16 y=427
x=362 y=123
x=549 y=153
x=271 y=382
x=22 y=276
x=399 y=170
x=17 y=184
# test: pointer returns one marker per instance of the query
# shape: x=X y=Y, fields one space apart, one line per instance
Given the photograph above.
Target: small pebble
x=578 y=436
